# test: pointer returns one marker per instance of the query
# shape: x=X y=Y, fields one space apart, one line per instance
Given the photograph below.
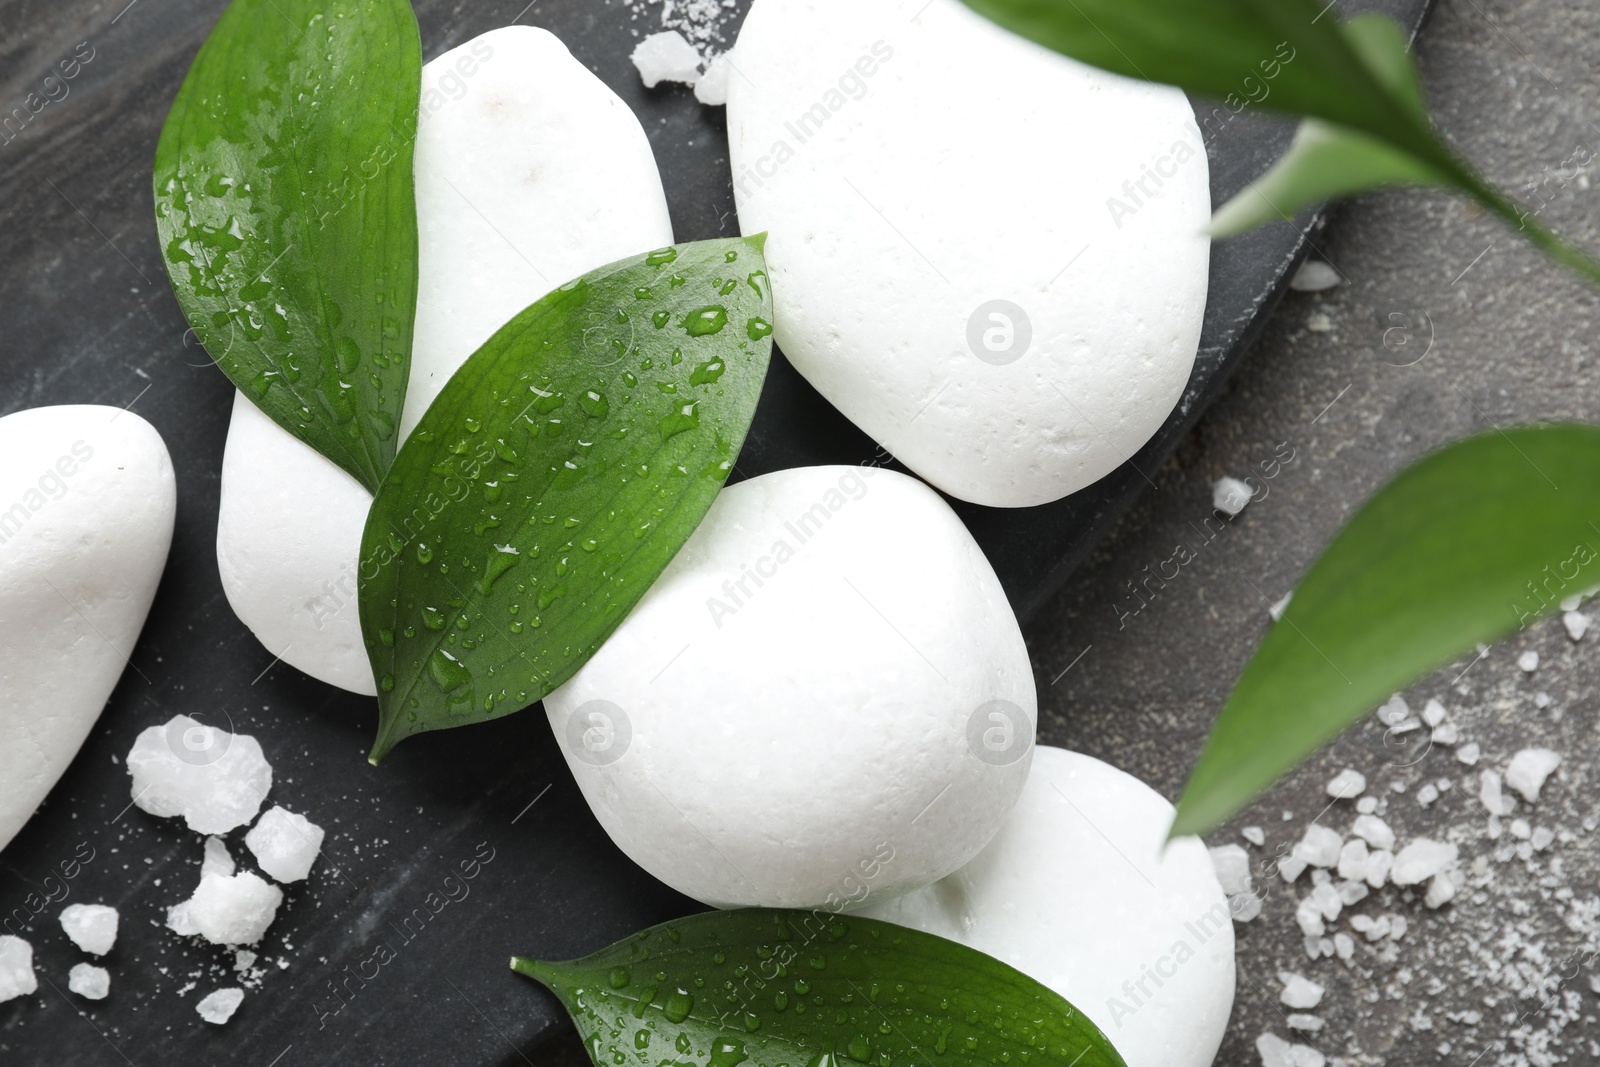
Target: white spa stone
x=529 y=172
x=88 y=981
x=218 y=1007
x=986 y=290
x=87 y=501
x=826 y=694
x=1096 y=940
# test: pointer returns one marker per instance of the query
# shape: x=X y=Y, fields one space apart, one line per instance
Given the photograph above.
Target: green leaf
x=772 y=988
x=1466 y=546
x=287 y=217
x=554 y=478
x=1287 y=55
x=1323 y=162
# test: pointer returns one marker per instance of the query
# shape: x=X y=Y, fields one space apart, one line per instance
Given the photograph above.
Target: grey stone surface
x=1447 y=325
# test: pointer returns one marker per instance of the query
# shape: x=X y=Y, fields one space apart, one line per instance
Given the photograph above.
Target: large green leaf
x=1293 y=56
x=808 y=989
x=287 y=217
x=1466 y=546
x=554 y=478
x=1305 y=58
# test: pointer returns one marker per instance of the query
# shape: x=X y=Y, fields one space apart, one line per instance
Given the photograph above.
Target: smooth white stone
x=1150 y=908
x=832 y=649
x=87 y=501
x=983 y=289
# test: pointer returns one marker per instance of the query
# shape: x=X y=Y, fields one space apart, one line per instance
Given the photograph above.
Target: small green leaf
x=1324 y=162
x=768 y=988
x=1466 y=546
x=554 y=478
x=287 y=217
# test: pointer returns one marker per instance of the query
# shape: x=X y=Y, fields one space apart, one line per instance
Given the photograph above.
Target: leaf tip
x=759 y=240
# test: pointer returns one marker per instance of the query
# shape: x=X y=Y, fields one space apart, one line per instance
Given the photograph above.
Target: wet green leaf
x=554 y=478
x=1466 y=546
x=287 y=218
x=1292 y=56
x=768 y=988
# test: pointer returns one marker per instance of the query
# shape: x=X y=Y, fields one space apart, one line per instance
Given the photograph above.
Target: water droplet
x=387 y=637
x=683 y=419
x=502 y=559
x=757 y=328
x=678 y=1006
x=660 y=319
x=448 y=672
x=619 y=977
x=387 y=684
x=595 y=405
x=424 y=552
x=708 y=372
x=731 y=256
x=641 y=1039
x=683 y=1044
x=859 y=1049
x=727 y=1052
x=802 y=987
x=433 y=618
x=702 y=322
x=661 y=256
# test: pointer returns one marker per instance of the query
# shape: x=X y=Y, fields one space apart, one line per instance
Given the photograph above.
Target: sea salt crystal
x=1319 y=846
x=1520 y=829
x=1291 y=867
x=1276 y=1052
x=217 y=859
x=1325 y=898
x=234 y=910
x=1352 y=892
x=180 y=920
x=1397 y=926
x=1445 y=733
x=1309 y=917
x=1353 y=858
x=1280 y=606
x=1468 y=753
x=1244 y=907
x=1577 y=624
x=712 y=88
x=1528 y=770
x=285 y=844
x=1254 y=835
x=1433 y=713
x=1394 y=711
x=1299 y=992
x=1314 y=276
x=1421 y=860
x=1528 y=662
x=666 y=56
x=89 y=981
x=219 y=1007
x=1374 y=831
x=1378 y=865
x=1347 y=784
x=1307 y=1023
x=1543 y=838
x=1541 y=700
x=1344 y=945
x=92 y=927
x=243 y=959
x=1367 y=805
x=1491 y=796
x=1441 y=891
x=16 y=968
x=215 y=779
x=1229 y=495
x=1427 y=794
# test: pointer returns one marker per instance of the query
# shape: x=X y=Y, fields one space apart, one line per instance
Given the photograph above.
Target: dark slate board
x=389 y=959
